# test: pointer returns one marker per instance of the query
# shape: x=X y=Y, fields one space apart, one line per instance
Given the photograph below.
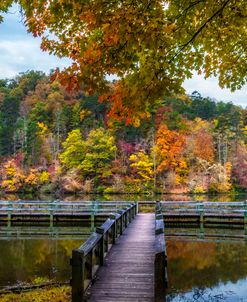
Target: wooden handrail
x=8 y=208
x=203 y=207
x=160 y=261
x=200 y=208
x=90 y=256
x=210 y=203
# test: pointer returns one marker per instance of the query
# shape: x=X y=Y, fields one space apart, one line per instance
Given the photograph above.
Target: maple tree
x=149 y=46
x=169 y=147
x=240 y=166
x=202 y=140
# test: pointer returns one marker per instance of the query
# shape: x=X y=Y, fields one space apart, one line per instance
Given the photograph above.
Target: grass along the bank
x=54 y=294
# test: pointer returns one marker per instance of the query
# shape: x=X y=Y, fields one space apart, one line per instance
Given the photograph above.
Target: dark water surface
x=30 y=260
x=205 y=271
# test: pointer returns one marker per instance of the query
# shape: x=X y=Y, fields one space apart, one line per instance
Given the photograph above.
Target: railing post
x=106 y=241
x=136 y=208
x=10 y=207
x=114 y=229
x=100 y=231
x=125 y=217
x=134 y=212
x=245 y=212
x=129 y=215
x=130 y=210
x=121 y=222
x=119 y=226
x=88 y=265
x=78 y=276
x=245 y=219
x=51 y=215
x=160 y=262
x=94 y=208
x=201 y=212
x=158 y=207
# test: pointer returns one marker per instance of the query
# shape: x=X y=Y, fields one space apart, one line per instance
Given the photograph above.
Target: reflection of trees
x=129 y=197
x=200 y=295
x=205 y=264
x=24 y=260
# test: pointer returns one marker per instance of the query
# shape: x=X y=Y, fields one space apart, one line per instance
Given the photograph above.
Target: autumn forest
x=116 y=118
x=52 y=139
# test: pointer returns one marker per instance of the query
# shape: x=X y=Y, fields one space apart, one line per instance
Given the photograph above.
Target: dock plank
x=128 y=272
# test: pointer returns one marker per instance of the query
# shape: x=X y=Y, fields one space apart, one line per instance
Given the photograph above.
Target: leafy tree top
x=151 y=46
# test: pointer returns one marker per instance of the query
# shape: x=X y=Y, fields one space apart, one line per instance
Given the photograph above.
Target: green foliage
x=8 y=118
x=100 y=151
x=28 y=80
x=93 y=156
x=33 y=146
x=74 y=150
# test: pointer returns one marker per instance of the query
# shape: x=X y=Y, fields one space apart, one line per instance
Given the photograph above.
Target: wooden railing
x=49 y=210
x=234 y=212
x=203 y=207
x=90 y=256
x=160 y=261
x=58 y=207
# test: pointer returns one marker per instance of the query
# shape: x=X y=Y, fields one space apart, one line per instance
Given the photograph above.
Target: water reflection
x=207 y=271
x=215 y=234
x=41 y=232
x=128 y=197
x=28 y=253
x=218 y=294
x=25 y=260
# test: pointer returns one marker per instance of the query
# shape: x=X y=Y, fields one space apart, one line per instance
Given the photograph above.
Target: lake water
x=207 y=271
x=29 y=260
x=199 y=269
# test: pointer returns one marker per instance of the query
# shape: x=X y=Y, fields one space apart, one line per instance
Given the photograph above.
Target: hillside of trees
x=52 y=140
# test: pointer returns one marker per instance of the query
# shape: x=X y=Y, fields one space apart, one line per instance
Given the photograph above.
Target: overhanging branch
x=200 y=29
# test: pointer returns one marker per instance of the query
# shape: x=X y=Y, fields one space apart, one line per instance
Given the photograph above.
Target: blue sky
x=20 y=51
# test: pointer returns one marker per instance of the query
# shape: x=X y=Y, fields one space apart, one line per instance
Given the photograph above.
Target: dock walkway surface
x=128 y=272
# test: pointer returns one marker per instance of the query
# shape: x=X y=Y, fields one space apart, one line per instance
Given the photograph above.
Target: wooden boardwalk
x=128 y=272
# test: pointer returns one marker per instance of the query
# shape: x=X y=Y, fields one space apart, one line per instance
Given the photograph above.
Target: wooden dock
x=56 y=213
x=205 y=214
x=124 y=260
x=128 y=273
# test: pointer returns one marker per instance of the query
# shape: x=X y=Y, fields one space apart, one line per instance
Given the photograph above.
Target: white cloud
x=18 y=56
x=20 y=51
x=210 y=87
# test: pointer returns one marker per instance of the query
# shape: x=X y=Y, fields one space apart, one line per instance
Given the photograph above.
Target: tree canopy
x=149 y=46
x=52 y=139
